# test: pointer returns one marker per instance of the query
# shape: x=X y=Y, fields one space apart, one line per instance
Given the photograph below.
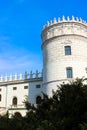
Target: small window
x=0 y=89
x=14 y=101
x=38 y=100
x=14 y=88
x=0 y=97
x=86 y=69
x=67 y=50
x=69 y=72
x=25 y=87
x=38 y=86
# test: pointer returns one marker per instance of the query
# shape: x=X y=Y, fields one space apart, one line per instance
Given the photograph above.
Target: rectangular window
x=14 y=88
x=0 y=89
x=69 y=72
x=38 y=86
x=0 y=97
x=67 y=50
x=25 y=87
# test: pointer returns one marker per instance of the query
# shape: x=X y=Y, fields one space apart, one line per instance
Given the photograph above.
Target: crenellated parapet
x=63 y=19
x=64 y=26
x=21 y=76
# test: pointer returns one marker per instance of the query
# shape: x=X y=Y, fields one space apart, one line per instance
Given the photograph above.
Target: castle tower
x=64 y=45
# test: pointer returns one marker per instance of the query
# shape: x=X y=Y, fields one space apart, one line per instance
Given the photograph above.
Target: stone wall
x=55 y=37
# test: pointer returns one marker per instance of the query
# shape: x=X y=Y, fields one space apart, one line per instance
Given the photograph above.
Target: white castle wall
x=34 y=92
x=30 y=94
x=4 y=96
x=55 y=37
x=19 y=93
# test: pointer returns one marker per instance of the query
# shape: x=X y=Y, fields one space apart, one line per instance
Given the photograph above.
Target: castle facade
x=64 y=48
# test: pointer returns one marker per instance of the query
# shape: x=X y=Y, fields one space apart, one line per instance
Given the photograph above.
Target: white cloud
x=14 y=59
x=10 y=63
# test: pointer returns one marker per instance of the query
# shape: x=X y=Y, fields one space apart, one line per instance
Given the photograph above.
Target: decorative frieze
x=64 y=26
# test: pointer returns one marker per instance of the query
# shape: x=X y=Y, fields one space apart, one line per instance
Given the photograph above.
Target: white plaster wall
x=34 y=92
x=19 y=93
x=12 y=112
x=3 y=96
x=8 y=93
x=55 y=61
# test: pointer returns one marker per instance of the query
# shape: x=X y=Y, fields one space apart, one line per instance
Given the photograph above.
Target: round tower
x=64 y=45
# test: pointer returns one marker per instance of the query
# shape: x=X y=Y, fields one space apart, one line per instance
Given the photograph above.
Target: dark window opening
x=14 y=88
x=69 y=72
x=38 y=86
x=38 y=100
x=0 y=97
x=67 y=50
x=25 y=87
x=14 y=102
x=17 y=114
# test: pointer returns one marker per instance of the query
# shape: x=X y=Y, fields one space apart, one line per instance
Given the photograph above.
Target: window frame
x=0 y=97
x=38 y=99
x=69 y=72
x=14 y=101
x=67 y=50
x=14 y=88
x=26 y=87
x=38 y=86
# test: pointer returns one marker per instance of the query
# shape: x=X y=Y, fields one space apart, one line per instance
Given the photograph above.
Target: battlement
x=25 y=76
x=64 y=26
x=63 y=19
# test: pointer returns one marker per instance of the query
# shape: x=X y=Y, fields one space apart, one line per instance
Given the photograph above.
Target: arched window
x=38 y=100
x=0 y=97
x=67 y=50
x=14 y=101
x=17 y=114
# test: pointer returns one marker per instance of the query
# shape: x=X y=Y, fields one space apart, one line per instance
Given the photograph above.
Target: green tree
x=67 y=108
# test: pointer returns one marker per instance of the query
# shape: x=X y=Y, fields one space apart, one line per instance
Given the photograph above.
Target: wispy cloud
x=14 y=59
x=11 y=63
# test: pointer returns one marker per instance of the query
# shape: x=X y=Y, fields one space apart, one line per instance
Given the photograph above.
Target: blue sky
x=21 y=23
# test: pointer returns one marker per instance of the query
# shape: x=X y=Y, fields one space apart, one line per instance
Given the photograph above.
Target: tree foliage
x=65 y=110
